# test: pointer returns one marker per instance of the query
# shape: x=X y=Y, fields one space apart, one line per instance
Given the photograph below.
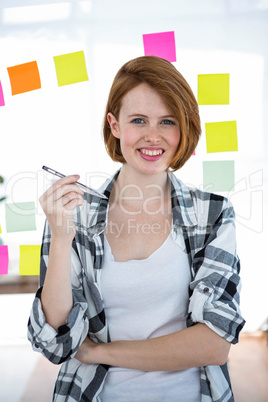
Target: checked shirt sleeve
x=216 y=285
x=58 y=346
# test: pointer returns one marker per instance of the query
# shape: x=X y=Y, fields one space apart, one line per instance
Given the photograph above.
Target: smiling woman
x=139 y=292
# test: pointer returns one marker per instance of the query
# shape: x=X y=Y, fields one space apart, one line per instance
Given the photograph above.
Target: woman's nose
x=152 y=135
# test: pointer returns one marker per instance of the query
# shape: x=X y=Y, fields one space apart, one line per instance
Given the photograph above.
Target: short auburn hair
x=176 y=93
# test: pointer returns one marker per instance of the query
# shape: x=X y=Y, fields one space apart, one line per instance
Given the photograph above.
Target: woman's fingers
x=58 y=203
x=68 y=198
x=60 y=188
x=72 y=179
x=65 y=189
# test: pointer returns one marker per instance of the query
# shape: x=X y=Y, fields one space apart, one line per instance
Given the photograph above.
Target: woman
x=139 y=293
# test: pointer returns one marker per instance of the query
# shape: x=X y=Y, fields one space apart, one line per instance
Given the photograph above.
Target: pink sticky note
x=3 y=260
x=160 y=44
x=2 y=101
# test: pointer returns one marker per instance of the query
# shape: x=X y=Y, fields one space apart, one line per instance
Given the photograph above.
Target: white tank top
x=145 y=299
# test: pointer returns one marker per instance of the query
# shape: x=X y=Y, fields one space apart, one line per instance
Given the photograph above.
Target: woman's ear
x=114 y=125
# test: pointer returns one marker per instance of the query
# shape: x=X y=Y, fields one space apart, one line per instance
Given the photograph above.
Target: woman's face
x=148 y=131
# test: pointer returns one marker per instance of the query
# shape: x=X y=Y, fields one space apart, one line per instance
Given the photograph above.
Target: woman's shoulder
x=206 y=205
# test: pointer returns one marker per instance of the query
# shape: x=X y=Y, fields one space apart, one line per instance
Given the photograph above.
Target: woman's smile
x=151 y=154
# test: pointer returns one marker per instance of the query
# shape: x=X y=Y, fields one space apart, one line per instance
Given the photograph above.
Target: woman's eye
x=168 y=122
x=138 y=121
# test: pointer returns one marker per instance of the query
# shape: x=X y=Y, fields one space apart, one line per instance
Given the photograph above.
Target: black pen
x=88 y=189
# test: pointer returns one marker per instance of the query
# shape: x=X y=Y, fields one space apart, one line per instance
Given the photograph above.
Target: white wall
x=61 y=126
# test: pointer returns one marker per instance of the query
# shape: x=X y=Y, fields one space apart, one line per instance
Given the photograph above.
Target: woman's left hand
x=84 y=353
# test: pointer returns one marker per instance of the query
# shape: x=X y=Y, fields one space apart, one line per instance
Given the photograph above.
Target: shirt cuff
x=58 y=346
x=223 y=318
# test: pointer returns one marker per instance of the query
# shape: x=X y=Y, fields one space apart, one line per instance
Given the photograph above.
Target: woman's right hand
x=58 y=204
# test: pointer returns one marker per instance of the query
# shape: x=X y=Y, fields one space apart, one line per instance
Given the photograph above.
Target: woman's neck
x=132 y=189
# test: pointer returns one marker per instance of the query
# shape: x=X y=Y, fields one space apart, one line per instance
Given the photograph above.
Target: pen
x=88 y=189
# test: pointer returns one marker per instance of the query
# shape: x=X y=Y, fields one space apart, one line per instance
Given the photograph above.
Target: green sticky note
x=213 y=89
x=218 y=176
x=70 y=68
x=30 y=260
x=20 y=216
x=221 y=136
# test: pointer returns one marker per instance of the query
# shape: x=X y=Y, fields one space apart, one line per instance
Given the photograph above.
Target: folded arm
x=192 y=347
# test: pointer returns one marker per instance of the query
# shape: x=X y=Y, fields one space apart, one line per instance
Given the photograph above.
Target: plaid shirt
x=203 y=225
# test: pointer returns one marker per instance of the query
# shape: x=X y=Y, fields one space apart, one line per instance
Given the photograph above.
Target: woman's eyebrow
x=137 y=114
x=144 y=115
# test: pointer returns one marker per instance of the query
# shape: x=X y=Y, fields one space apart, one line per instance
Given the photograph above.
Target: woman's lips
x=151 y=154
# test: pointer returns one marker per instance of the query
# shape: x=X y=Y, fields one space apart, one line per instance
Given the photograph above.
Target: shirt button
x=206 y=290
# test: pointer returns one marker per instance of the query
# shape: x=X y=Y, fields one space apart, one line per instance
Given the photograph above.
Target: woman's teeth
x=151 y=152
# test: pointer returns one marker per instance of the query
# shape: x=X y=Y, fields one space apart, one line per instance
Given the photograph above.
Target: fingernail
x=77 y=175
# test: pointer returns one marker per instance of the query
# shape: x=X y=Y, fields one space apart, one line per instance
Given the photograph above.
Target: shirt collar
x=184 y=213
x=99 y=206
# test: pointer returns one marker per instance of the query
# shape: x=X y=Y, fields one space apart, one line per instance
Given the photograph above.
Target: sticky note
x=218 y=176
x=70 y=68
x=213 y=89
x=30 y=260
x=24 y=77
x=20 y=216
x=0 y=229
x=221 y=136
x=2 y=101
x=160 y=44
x=3 y=260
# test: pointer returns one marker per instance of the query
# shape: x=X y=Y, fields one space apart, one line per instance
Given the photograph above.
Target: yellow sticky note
x=221 y=136
x=71 y=68
x=213 y=89
x=30 y=260
x=0 y=229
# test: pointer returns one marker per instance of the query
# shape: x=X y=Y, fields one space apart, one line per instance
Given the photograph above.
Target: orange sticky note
x=24 y=77
x=30 y=260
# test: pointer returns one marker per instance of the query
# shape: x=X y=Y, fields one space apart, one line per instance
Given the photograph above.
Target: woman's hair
x=166 y=80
